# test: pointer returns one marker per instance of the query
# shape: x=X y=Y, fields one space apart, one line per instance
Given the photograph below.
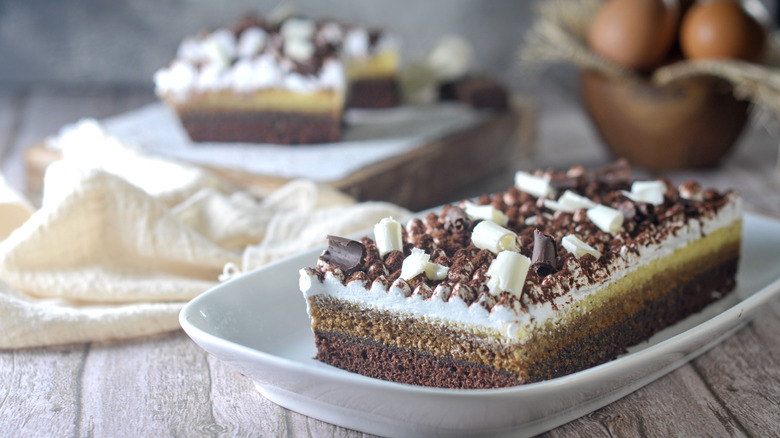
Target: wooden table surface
x=168 y=386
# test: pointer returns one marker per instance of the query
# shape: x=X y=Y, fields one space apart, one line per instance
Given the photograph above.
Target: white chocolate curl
x=298 y=49
x=491 y=236
x=577 y=247
x=569 y=202
x=486 y=213
x=415 y=264
x=388 y=236
x=251 y=42
x=418 y=262
x=534 y=185
x=298 y=29
x=216 y=52
x=507 y=273
x=607 y=219
x=435 y=271
x=575 y=201
x=651 y=192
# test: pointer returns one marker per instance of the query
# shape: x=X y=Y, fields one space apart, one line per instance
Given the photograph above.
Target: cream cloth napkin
x=14 y=209
x=122 y=240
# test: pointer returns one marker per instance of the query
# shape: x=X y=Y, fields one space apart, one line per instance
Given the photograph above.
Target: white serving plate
x=258 y=324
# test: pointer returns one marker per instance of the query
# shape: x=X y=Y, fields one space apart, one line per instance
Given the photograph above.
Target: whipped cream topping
x=251 y=42
x=463 y=298
x=360 y=43
x=298 y=54
x=251 y=60
x=331 y=33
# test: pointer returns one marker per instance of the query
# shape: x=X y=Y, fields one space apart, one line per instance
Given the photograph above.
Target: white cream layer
x=505 y=320
x=220 y=61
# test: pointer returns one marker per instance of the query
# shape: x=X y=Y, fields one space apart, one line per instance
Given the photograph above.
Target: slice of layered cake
x=286 y=82
x=372 y=62
x=257 y=82
x=561 y=272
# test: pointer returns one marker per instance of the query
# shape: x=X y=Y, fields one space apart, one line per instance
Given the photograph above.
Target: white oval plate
x=258 y=324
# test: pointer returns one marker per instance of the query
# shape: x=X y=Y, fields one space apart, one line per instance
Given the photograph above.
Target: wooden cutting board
x=430 y=175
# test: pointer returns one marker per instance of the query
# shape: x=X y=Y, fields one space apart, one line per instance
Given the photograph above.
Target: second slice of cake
x=257 y=82
x=288 y=82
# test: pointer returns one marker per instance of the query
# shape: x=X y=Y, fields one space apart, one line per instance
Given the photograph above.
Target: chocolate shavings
x=636 y=210
x=615 y=173
x=344 y=253
x=562 y=182
x=545 y=256
x=456 y=220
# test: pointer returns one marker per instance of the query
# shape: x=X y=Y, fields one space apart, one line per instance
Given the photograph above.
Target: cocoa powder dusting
x=447 y=238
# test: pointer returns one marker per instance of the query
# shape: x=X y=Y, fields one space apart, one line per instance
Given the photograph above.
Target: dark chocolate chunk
x=545 y=256
x=636 y=210
x=394 y=260
x=373 y=37
x=347 y=254
x=615 y=173
x=562 y=182
x=711 y=195
x=456 y=220
x=325 y=50
x=645 y=209
x=691 y=206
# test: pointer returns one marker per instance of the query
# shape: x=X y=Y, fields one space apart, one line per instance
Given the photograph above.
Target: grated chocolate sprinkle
x=447 y=238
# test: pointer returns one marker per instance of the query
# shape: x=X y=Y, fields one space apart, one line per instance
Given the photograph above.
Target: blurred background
x=94 y=43
x=75 y=47
x=109 y=43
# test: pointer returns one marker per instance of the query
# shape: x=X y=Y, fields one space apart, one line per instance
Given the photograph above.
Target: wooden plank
x=308 y=427
x=744 y=373
x=681 y=396
x=240 y=410
x=237 y=407
x=157 y=386
x=39 y=390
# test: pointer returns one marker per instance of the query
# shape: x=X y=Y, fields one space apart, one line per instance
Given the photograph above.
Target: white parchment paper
x=369 y=136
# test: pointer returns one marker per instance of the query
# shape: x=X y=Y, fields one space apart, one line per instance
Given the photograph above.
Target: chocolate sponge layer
x=380 y=361
x=373 y=93
x=260 y=127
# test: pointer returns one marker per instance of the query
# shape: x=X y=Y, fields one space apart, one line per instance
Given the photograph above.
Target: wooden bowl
x=692 y=123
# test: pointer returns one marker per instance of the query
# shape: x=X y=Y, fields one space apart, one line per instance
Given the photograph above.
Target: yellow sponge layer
x=380 y=66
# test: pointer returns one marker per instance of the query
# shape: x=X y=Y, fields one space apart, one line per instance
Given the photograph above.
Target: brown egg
x=636 y=34
x=721 y=29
